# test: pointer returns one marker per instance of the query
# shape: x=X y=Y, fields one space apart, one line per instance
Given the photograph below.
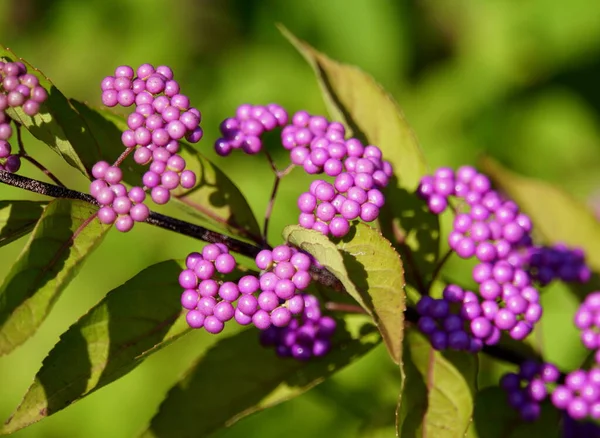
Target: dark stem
x=270 y=208
x=156 y=219
x=278 y=175
x=23 y=154
x=438 y=268
x=344 y=308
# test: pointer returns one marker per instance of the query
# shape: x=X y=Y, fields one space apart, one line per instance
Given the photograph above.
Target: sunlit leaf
x=60 y=243
x=370 y=270
x=439 y=390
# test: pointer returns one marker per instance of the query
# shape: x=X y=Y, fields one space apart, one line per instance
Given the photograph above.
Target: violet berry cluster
x=558 y=262
x=309 y=335
x=162 y=117
x=450 y=322
x=494 y=231
x=18 y=89
x=245 y=129
x=273 y=298
x=528 y=388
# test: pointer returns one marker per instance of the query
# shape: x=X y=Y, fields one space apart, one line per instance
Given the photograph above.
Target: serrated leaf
x=439 y=389
x=556 y=215
x=370 y=270
x=354 y=98
x=17 y=218
x=59 y=245
x=494 y=418
x=131 y=322
x=57 y=124
x=215 y=200
x=237 y=377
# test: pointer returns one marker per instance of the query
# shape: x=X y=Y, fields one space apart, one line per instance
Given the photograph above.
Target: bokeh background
x=517 y=80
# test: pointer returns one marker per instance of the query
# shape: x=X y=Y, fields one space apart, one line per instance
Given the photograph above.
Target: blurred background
x=517 y=80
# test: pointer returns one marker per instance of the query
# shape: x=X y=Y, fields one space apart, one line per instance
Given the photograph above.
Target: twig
x=278 y=175
x=23 y=154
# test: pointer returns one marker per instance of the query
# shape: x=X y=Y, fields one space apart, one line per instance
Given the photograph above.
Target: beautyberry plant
x=287 y=314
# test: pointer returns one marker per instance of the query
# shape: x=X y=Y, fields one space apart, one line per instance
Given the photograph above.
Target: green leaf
x=131 y=322
x=494 y=418
x=237 y=377
x=370 y=270
x=371 y=115
x=556 y=215
x=58 y=124
x=438 y=393
x=65 y=235
x=17 y=218
x=215 y=200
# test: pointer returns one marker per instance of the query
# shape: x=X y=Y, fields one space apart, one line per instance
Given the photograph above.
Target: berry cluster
x=270 y=299
x=18 y=89
x=245 y=129
x=118 y=205
x=209 y=301
x=493 y=230
x=587 y=319
x=305 y=337
x=528 y=388
x=360 y=174
x=450 y=322
x=579 y=396
x=161 y=118
x=557 y=262
x=509 y=299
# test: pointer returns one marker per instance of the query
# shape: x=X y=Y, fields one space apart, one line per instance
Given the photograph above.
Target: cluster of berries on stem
x=18 y=89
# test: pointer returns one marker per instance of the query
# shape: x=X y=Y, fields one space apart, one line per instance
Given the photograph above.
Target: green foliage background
x=516 y=80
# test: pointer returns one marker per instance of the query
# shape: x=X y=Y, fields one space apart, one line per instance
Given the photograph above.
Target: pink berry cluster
x=309 y=335
x=528 y=388
x=270 y=299
x=494 y=231
x=119 y=206
x=359 y=173
x=579 y=395
x=161 y=118
x=18 y=89
x=245 y=129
